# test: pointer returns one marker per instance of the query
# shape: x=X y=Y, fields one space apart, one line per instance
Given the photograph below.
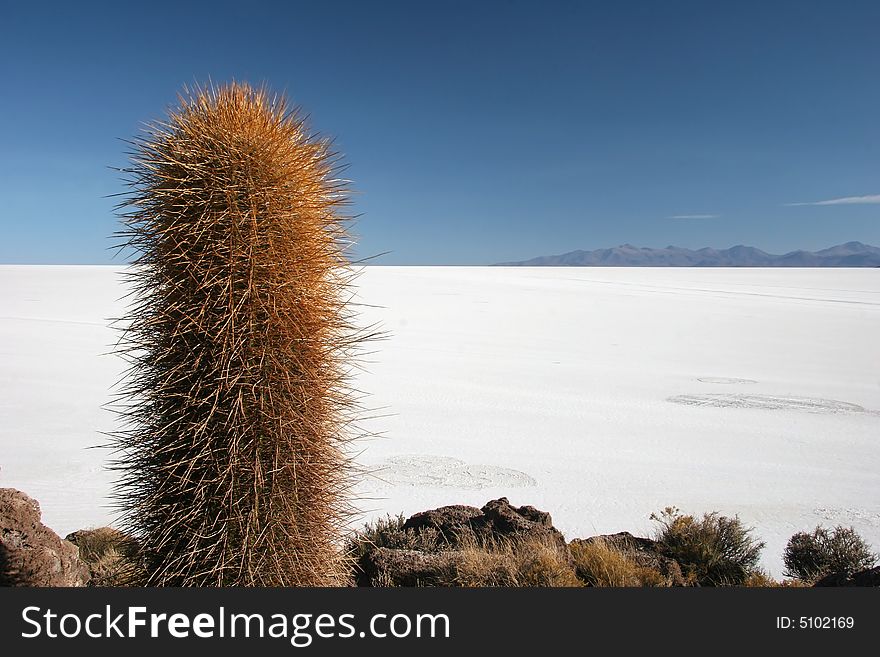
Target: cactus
x=236 y=408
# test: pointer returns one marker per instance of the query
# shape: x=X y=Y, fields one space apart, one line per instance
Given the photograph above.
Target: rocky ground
x=31 y=554
x=496 y=545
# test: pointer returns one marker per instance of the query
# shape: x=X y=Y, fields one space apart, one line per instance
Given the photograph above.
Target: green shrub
x=841 y=550
x=715 y=550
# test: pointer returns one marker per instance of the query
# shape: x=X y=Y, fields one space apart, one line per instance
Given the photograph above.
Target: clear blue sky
x=475 y=132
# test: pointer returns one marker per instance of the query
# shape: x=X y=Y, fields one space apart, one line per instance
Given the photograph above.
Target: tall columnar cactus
x=236 y=409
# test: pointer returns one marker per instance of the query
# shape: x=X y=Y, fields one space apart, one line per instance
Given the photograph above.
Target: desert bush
x=388 y=532
x=236 y=411
x=841 y=550
x=600 y=563
x=715 y=550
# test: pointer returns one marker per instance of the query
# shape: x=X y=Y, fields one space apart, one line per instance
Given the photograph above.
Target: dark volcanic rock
x=31 y=554
x=868 y=577
x=626 y=542
x=833 y=579
x=502 y=520
x=448 y=520
x=387 y=567
x=460 y=528
x=497 y=519
x=506 y=519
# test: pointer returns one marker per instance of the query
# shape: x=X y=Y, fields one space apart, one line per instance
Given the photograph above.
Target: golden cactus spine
x=236 y=407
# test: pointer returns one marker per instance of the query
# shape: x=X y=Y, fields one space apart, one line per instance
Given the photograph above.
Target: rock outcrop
x=400 y=567
x=462 y=545
x=504 y=545
x=498 y=519
x=31 y=554
x=868 y=577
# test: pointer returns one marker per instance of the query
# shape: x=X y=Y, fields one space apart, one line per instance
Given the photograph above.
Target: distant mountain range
x=851 y=254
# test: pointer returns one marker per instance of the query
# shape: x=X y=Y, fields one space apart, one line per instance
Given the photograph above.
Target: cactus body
x=236 y=410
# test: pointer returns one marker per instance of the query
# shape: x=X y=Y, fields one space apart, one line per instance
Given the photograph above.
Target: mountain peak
x=851 y=254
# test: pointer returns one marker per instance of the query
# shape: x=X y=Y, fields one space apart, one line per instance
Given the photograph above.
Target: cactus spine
x=236 y=408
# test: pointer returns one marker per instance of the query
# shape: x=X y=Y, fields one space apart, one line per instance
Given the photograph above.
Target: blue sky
x=474 y=132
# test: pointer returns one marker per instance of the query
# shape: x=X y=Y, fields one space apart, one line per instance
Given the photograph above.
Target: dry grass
x=530 y=562
x=470 y=559
x=95 y=543
x=236 y=409
x=712 y=550
x=760 y=579
x=111 y=556
x=599 y=563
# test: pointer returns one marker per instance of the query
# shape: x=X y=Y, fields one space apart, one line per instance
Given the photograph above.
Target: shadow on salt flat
x=769 y=402
x=725 y=380
x=845 y=516
x=447 y=472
